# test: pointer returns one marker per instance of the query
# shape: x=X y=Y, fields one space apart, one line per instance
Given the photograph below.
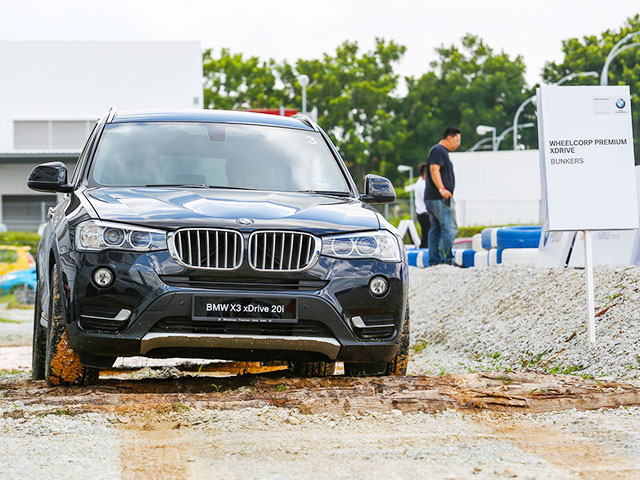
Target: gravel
x=505 y=317
x=463 y=320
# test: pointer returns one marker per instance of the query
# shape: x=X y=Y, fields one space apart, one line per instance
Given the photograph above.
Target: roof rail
x=304 y=118
x=111 y=114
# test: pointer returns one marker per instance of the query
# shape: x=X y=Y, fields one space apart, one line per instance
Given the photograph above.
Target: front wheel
x=313 y=369
x=62 y=363
x=396 y=367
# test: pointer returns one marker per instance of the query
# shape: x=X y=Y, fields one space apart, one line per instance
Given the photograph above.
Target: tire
x=485 y=238
x=519 y=237
x=313 y=369
x=396 y=367
x=39 y=343
x=62 y=363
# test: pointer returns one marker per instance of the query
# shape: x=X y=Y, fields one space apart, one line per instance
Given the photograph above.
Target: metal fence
x=25 y=215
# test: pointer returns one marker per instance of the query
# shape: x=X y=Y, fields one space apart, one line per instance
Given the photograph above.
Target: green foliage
x=27 y=239
x=589 y=54
x=375 y=128
x=353 y=92
x=469 y=85
x=234 y=82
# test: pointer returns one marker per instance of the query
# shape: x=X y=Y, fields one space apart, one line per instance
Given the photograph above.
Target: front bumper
x=158 y=293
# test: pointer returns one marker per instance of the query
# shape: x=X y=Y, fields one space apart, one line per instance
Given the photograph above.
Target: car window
x=218 y=155
x=8 y=256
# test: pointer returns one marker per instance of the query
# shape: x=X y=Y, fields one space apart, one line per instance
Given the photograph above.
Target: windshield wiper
x=326 y=192
x=181 y=185
x=189 y=185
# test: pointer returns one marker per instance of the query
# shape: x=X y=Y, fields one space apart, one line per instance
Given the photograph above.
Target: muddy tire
x=62 y=363
x=39 y=343
x=396 y=367
x=313 y=369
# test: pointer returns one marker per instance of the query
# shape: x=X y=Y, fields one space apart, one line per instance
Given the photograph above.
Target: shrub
x=27 y=239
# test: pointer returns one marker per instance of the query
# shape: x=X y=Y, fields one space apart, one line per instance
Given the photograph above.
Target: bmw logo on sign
x=620 y=103
x=244 y=221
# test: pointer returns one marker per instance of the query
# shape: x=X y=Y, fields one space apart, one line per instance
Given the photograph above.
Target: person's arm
x=434 y=170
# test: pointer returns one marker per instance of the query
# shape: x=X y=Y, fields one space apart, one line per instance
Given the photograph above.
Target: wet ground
x=171 y=419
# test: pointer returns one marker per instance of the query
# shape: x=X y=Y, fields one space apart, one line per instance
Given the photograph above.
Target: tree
x=590 y=53
x=354 y=95
x=233 y=82
x=469 y=85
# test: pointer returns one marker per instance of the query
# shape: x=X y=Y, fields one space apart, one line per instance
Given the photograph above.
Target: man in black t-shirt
x=438 y=196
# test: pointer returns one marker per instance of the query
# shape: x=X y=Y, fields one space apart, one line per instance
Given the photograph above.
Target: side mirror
x=378 y=190
x=49 y=177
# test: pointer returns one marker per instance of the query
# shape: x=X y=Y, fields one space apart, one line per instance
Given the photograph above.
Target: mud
x=521 y=392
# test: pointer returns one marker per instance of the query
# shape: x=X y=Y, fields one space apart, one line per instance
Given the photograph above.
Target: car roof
x=217 y=116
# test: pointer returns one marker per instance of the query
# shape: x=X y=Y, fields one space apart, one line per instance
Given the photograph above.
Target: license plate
x=250 y=310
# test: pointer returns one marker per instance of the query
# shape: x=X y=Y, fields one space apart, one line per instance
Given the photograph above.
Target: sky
x=283 y=29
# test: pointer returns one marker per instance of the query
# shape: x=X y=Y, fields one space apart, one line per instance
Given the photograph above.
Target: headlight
x=95 y=235
x=381 y=245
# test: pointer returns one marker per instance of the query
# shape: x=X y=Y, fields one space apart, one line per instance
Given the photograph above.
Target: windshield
x=216 y=155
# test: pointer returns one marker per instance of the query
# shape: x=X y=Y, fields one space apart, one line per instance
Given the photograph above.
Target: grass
x=6 y=320
x=4 y=373
x=570 y=370
x=281 y=388
x=58 y=411
x=11 y=302
x=417 y=348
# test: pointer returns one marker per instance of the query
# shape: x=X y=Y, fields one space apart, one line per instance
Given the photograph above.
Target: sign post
x=588 y=266
x=587 y=166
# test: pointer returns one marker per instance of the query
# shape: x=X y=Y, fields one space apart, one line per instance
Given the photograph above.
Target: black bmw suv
x=221 y=235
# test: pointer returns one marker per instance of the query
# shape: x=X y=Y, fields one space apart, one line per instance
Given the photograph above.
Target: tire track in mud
x=152 y=446
x=571 y=452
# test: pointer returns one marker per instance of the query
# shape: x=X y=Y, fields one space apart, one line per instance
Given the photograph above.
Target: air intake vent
x=302 y=328
x=374 y=327
x=282 y=251
x=206 y=248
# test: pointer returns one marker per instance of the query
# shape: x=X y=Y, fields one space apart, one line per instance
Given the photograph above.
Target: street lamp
x=407 y=168
x=615 y=51
x=303 y=80
x=501 y=137
x=507 y=130
x=532 y=99
x=484 y=129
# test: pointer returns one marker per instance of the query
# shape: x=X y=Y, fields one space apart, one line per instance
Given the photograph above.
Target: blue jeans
x=443 y=231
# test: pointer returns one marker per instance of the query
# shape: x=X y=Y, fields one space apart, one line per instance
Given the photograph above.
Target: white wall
x=497 y=188
x=81 y=80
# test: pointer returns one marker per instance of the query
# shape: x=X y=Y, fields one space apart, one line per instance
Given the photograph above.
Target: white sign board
x=586 y=158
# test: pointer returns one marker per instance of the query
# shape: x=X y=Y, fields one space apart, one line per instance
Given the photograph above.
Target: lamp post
x=484 y=129
x=303 y=80
x=615 y=51
x=407 y=168
x=532 y=99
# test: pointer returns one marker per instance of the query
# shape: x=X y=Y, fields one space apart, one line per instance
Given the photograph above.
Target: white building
x=51 y=94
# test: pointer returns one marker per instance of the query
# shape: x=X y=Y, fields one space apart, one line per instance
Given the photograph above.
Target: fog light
x=103 y=277
x=378 y=286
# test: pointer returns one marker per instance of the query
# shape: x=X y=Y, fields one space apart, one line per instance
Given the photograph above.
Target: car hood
x=172 y=208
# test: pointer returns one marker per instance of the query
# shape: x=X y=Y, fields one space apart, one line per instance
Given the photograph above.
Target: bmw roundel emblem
x=244 y=221
x=620 y=103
